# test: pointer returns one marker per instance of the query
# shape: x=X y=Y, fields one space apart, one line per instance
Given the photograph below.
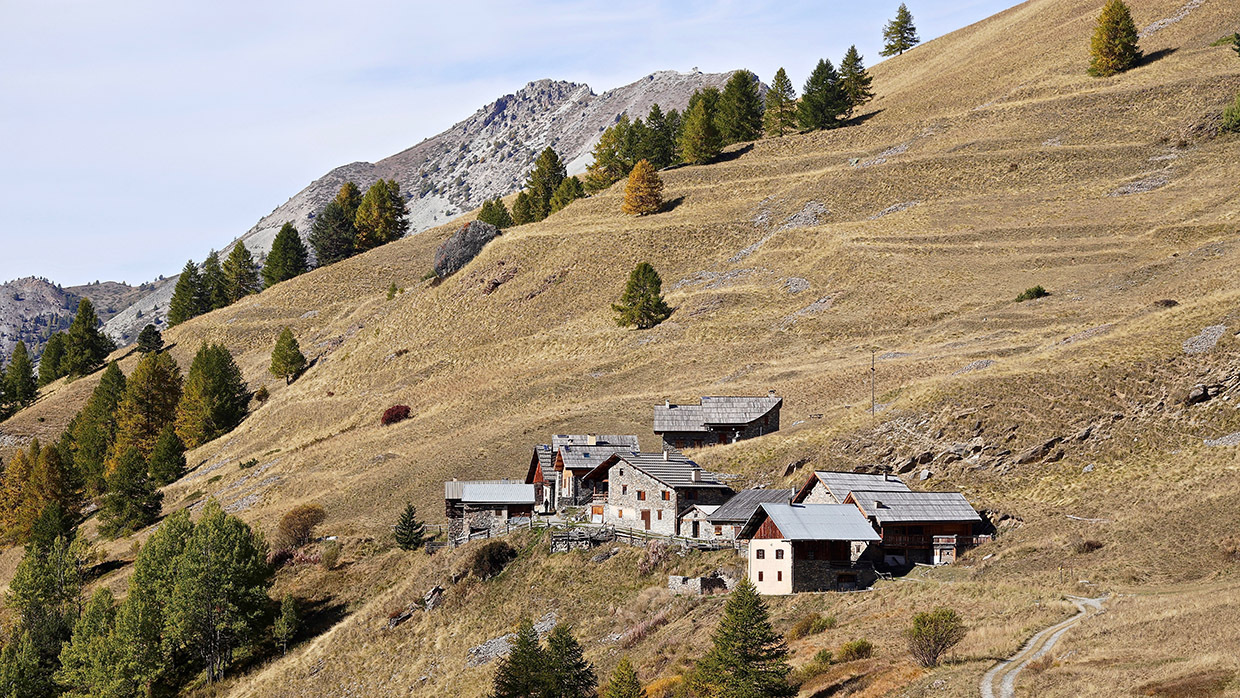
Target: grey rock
x=905 y=466
x=1038 y=452
x=925 y=475
x=433 y=598
x=463 y=246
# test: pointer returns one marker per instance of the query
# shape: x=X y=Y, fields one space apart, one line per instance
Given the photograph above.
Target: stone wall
x=624 y=508
x=696 y=585
x=820 y=575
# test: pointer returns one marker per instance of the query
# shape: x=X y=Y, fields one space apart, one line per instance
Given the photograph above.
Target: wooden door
x=696 y=530
x=646 y=519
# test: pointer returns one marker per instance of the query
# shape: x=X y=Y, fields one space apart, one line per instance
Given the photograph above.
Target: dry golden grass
x=1010 y=152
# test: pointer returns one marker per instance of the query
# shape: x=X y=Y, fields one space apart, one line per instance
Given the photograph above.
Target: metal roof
x=581 y=457
x=739 y=508
x=455 y=489
x=840 y=484
x=812 y=522
x=914 y=507
x=713 y=411
x=493 y=493
x=672 y=469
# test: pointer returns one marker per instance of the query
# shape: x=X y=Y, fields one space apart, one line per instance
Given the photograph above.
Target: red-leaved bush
x=394 y=414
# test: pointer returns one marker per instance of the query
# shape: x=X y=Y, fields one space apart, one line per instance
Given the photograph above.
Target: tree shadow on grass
x=862 y=118
x=1155 y=56
x=671 y=204
x=317 y=617
x=104 y=568
x=732 y=154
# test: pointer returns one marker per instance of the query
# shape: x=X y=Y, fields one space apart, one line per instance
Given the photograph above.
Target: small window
x=779 y=554
x=779 y=576
x=622 y=472
x=759 y=576
x=641 y=495
x=761 y=554
x=624 y=489
x=718 y=530
x=660 y=515
x=619 y=513
x=667 y=495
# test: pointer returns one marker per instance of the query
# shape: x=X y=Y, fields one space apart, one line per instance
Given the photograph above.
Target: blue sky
x=137 y=134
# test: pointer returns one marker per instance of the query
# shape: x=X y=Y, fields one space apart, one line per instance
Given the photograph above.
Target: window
x=718 y=530
x=667 y=496
x=619 y=513
x=622 y=472
x=759 y=576
x=691 y=495
x=779 y=554
x=809 y=554
x=761 y=554
x=660 y=515
x=779 y=576
x=624 y=489
x=641 y=495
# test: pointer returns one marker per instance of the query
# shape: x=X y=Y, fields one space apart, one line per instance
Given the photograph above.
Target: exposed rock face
x=464 y=245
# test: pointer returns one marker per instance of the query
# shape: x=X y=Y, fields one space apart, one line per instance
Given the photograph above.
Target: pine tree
x=21 y=388
x=215 y=399
x=332 y=235
x=381 y=216
x=643 y=194
x=149 y=404
x=748 y=658
x=213 y=284
x=132 y=502
x=899 y=35
x=569 y=191
x=150 y=340
x=240 y=274
x=349 y=197
x=51 y=484
x=612 y=156
x=187 y=296
x=46 y=593
x=522 y=209
x=542 y=182
x=287 y=361
x=780 y=117
x=91 y=662
x=287 y=258
x=85 y=346
x=642 y=303
x=494 y=211
x=659 y=139
x=624 y=682
x=50 y=362
x=700 y=141
x=287 y=623
x=823 y=100
x=739 y=115
x=1113 y=48
x=23 y=673
x=52 y=523
x=167 y=463
x=569 y=675
x=94 y=430
x=523 y=673
x=855 y=81
x=409 y=531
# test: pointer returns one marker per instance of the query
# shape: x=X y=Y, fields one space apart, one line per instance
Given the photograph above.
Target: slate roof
x=675 y=470
x=546 y=461
x=629 y=441
x=712 y=411
x=455 y=489
x=580 y=457
x=840 y=484
x=915 y=507
x=739 y=508
x=706 y=509
x=812 y=522
x=497 y=493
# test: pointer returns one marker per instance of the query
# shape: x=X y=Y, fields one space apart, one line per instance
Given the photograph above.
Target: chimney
x=665 y=454
x=770 y=393
x=591 y=439
x=667 y=404
x=696 y=475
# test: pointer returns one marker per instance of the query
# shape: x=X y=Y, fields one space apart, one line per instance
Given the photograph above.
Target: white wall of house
x=770 y=566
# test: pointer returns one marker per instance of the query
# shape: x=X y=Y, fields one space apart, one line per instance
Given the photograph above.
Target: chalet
x=831 y=487
x=807 y=547
x=556 y=468
x=472 y=506
x=716 y=420
x=727 y=520
x=925 y=527
x=650 y=491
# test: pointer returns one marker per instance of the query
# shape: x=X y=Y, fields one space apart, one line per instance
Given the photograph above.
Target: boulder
x=905 y=466
x=925 y=475
x=1038 y=452
x=463 y=246
x=433 y=598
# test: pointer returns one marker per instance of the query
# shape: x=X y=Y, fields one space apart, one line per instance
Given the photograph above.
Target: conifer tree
x=522 y=209
x=150 y=340
x=149 y=404
x=213 y=284
x=21 y=387
x=85 y=346
x=494 y=211
x=675 y=127
x=51 y=484
x=643 y=194
x=659 y=139
x=215 y=397
x=642 y=305
x=46 y=594
x=624 y=682
x=612 y=156
x=381 y=216
x=823 y=100
x=899 y=35
x=349 y=197
x=747 y=658
x=17 y=508
x=1113 y=48
x=132 y=502
x=700 y=141
x=332 y=235
x=570 y=190
x=240 y=274
x=569 y=674
x=187 y=296
x=50 y=361
x=780 y=117
x=523 y=673
x=23 y=673
x=167 y=463
x=409 y=532
x=91 y=662
x=542 y=182
x=287 y=623
x=739 y=115
x=52 y=523
x=855 y=81
x=287 y=258
x=287 y=361
x=94 y=430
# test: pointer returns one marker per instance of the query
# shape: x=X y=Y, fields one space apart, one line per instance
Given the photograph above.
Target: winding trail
x=1000 y=681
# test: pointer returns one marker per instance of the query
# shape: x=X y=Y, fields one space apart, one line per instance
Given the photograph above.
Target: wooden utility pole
x=872 y=404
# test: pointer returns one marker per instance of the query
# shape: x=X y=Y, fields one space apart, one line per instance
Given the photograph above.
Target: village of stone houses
x=840 y=531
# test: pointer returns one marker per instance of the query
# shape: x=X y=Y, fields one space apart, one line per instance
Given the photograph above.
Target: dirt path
x=1000 y=681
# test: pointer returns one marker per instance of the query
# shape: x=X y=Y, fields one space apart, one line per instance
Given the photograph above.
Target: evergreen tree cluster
x=353 y=222
x=78 y=350
x=556 y=670
x=548 y=188
x=627 y=142
x=18 y=385
x=215 y=286
x=830 y=97
x=494 y=211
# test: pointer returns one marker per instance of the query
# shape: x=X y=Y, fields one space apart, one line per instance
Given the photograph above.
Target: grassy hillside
x=989 y=163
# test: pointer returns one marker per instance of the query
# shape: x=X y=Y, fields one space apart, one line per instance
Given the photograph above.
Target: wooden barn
x=807 y=547
x=926 y=527
x=716 y=420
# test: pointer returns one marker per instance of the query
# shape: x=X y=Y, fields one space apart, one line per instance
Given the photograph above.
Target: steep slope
x=989 y=163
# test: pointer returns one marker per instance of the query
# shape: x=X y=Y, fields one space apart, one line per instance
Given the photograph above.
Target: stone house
x=925 y=527
x=474 y=506
x=716 y=420
x=727 y=520
x=832 y=487
x=650 y=491
x=695 y=522
x=807 y=547
x=556 y=468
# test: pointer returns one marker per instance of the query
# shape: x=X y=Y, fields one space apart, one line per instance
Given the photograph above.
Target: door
x=696 y=530
x=646 y=519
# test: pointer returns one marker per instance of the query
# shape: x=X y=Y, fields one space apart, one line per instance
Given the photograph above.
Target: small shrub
x=812 y=624
x=297 y=526
x=933 y=633
x=491 y=559
x=391 y=291
x=656 y=553
x=394 y=414
x=1032 y=293
x=806 y=672
x=666 y=687
x=1041 y=664
x=1231 y=548
x=262 y=395
x=1231 y=116
x=1086 y=546
x=824 y=656
x=331 y=554
x=856 y=649
x=246 y=464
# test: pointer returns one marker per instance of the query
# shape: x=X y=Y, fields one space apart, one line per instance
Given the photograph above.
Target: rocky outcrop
x=464 y=245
